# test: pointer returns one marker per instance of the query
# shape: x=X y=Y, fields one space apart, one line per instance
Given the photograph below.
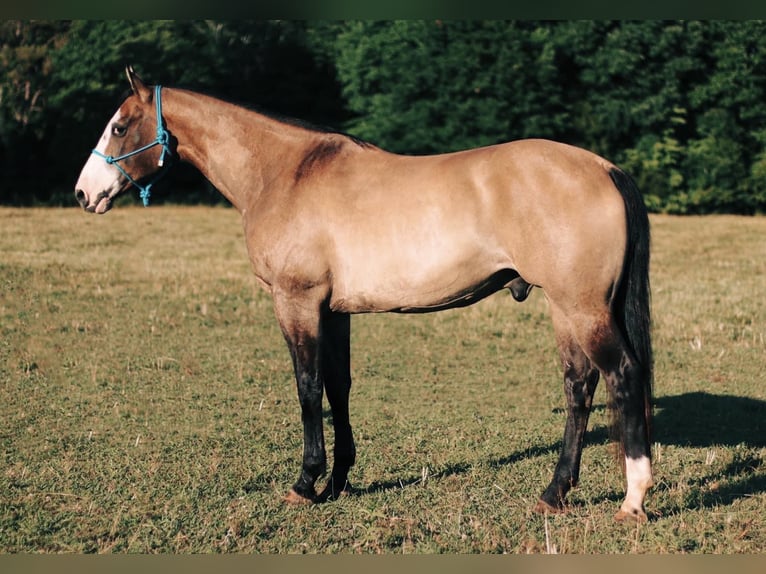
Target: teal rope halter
x=163 y=139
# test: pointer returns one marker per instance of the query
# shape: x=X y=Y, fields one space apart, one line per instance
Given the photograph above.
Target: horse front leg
x=335 y=353
x=301 y=328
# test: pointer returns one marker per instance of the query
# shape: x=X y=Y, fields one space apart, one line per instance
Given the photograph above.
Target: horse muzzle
x=101 y=204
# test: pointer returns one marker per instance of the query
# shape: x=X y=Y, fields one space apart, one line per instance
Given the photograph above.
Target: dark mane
x=279 y=117
x=306 y=125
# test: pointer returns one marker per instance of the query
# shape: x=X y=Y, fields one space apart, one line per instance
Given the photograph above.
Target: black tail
x=633 y=301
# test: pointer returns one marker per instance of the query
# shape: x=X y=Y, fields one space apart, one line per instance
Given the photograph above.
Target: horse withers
x=336 y=226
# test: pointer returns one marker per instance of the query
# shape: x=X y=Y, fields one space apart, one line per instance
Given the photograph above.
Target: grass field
x=148 y=404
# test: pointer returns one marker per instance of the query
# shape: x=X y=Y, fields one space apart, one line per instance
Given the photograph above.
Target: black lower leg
x=303 y=350
x=630 y=404
x=579 y=387
x=337 y=379
x=344 y=458
x=314 y=457
x=314 y=466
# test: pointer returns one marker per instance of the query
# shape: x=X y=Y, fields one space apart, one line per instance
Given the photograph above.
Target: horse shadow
x=706 y=420
x=701 y=419
x=691 y=420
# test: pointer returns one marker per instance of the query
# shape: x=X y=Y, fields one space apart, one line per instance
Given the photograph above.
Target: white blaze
x=97 y=176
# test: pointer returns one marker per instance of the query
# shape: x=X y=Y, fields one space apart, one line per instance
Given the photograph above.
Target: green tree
x=629 y=94
x=727 y=151
x=435 y=86
x=25 y=70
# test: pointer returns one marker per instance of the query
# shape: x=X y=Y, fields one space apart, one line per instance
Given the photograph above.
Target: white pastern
x=638 y=472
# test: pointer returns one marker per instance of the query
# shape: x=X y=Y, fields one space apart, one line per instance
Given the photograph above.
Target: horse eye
x=119 y=131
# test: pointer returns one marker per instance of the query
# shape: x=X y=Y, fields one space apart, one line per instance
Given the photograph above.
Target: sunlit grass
x=148 y=403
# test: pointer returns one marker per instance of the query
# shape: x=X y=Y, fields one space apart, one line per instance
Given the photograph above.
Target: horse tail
x=633 y=298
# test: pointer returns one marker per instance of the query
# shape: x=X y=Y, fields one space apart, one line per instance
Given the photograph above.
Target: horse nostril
x=80 y=195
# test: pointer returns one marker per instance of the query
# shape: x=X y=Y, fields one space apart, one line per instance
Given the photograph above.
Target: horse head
x=131 y=150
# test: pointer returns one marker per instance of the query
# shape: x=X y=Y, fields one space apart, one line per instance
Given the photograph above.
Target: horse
x=337 y=226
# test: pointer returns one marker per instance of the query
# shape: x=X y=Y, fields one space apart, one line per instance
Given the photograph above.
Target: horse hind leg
x=625 y=380
x=580 y=381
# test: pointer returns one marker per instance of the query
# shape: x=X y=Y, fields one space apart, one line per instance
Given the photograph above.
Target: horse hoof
x=543 y=507
x=331 y=494
x=294 y=498
x=633 y=515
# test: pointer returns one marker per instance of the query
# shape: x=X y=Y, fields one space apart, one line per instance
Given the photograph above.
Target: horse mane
x=304 y=124
x=280 y=117
x=271 y=114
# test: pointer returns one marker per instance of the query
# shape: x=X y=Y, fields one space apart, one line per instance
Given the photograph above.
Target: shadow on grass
x=400 y=483
x=695 y=420
x=702 y=420
x=705 y=420
x=596 y=436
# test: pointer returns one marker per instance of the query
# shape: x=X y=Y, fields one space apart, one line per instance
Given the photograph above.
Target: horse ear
x=137 y=85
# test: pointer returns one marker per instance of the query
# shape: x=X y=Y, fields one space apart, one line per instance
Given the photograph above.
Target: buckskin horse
x=336 y=226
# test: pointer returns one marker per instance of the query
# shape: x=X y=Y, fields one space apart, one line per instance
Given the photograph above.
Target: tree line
x=681 y=105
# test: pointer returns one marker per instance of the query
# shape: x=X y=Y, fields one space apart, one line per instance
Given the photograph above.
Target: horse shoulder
x=286 y=245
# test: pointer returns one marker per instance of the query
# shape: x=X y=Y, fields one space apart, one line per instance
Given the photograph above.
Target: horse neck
x=239 y=151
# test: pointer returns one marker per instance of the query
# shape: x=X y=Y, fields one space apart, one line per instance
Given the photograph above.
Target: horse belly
x=409 y=283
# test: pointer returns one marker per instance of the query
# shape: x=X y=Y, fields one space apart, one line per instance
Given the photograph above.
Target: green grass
x=148 y=404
